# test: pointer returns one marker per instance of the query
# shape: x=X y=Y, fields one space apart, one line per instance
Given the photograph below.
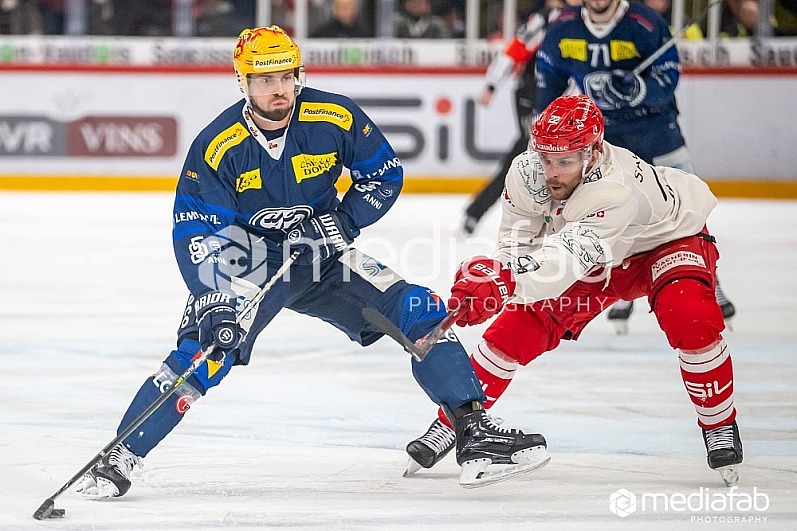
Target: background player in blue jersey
x=257 y=186
x=599 y=45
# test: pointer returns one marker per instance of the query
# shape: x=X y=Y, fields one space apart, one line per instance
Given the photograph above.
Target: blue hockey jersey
x=234 y=176
x=575 y=47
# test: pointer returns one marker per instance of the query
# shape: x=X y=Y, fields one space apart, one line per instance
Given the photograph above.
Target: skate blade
x=620 y=326
x=475 y=473
x=412 y=468
x=95 y=489
x=729 y=474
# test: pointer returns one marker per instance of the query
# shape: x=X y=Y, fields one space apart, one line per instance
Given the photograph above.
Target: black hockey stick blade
x=47 y=510
x=420 y=349
x=386 y=326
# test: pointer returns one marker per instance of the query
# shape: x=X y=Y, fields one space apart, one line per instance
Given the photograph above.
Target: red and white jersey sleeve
x=623 y=207
x=520 y=49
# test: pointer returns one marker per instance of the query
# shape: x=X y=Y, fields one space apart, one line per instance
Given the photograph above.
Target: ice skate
x=724 y=447
x=111 y=478
x=488 y=453
x=428 y=449
x=727 y=307
x=619 y=314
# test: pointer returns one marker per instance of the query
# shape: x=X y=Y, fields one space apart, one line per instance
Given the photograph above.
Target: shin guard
x=170 y=413
x=688 y=314
x=163 y=419
x=708 y=378
x=495 y=371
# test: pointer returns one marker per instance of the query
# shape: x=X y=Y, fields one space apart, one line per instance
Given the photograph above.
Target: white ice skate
x=110 y=479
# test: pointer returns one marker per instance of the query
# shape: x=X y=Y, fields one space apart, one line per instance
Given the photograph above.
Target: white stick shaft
x=670 y=43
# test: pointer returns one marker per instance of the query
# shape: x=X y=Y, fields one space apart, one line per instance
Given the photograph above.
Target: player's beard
x=602 y=11
x=277 y=115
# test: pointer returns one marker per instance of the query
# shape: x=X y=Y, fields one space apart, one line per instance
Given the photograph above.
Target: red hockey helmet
x=569 y=123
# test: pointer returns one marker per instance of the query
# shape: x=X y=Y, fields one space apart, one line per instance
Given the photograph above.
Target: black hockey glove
x=627 y=87
x=215 y=313
x=322 y=236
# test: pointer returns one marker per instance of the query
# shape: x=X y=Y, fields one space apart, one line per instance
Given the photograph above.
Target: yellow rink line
x=412 y=185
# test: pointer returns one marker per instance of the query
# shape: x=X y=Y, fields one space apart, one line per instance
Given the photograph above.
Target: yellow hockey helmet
x=262 y=50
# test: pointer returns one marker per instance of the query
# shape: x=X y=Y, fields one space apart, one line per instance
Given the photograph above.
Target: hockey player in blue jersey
x=257 y=186
x=599 y=45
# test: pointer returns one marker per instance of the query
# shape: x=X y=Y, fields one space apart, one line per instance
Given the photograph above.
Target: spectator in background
x=345 y=22
x=453 y=14
x=744 y=21
x=148 y=18
x=99 y=17
x=247 y=10
x=283 y=13
x=20 y=17
x=785 y=18
x=52 y=16
x=664 y=8
x=416 y=21
x=492 y=21
x=216 y=18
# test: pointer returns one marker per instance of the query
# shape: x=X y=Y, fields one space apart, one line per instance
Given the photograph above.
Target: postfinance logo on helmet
x=263 y=50
x=267 y=63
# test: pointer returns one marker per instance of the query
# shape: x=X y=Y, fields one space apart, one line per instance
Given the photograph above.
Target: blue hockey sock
x=446 y=374
x=163 y=419
x=170 y=413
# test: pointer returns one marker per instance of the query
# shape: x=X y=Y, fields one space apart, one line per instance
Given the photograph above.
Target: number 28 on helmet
x=569 y=123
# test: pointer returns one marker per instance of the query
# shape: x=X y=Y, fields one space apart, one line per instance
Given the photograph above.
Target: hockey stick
x=670 y=43
x=47 y=508
x=420 y=348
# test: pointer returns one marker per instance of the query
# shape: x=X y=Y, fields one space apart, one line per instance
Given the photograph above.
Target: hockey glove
x=215 y=313
x=627 y=87
x=483 y=286
x=322 y=236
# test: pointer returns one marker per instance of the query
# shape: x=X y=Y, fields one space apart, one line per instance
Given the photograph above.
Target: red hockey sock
x=708 y=377
x=494 y=370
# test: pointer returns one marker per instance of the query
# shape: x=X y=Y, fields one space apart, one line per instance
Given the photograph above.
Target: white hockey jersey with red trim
x=624 y=206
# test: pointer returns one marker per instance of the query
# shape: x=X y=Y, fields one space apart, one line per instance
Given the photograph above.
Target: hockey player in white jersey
x=586 y=223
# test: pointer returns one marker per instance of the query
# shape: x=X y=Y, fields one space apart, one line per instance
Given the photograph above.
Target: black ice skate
x=727 y=307
x=111 y=478
x=619 y=314
x=481 y=443
x=428 y=449
x=724 y=447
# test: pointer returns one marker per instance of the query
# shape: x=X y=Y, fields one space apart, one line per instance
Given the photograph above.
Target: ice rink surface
x=311 y=434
